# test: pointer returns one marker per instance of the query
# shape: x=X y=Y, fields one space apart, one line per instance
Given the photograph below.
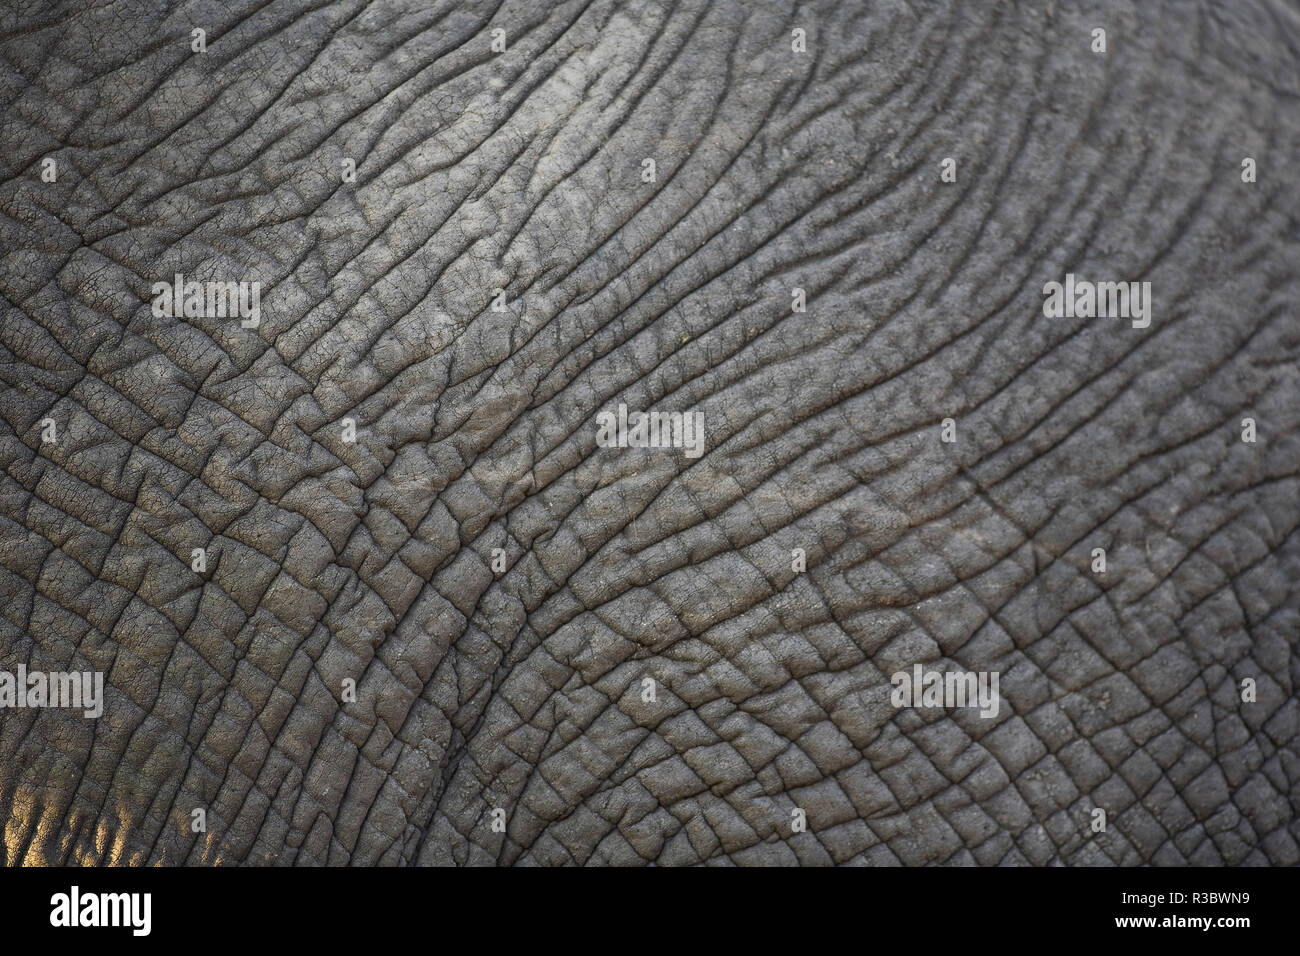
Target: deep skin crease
x=370 y=561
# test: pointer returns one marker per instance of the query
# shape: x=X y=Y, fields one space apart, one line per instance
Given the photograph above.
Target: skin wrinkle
x=475 y=430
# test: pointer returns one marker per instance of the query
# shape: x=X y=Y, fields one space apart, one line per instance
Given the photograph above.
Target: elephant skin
x=572 y=652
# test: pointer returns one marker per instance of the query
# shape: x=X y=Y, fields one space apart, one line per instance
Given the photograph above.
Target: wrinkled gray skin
x=476 y=430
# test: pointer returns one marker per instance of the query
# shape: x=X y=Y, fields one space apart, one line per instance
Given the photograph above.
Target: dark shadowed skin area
x=475 y=430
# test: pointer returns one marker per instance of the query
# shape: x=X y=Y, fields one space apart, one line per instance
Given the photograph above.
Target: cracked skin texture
x=476 y=431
